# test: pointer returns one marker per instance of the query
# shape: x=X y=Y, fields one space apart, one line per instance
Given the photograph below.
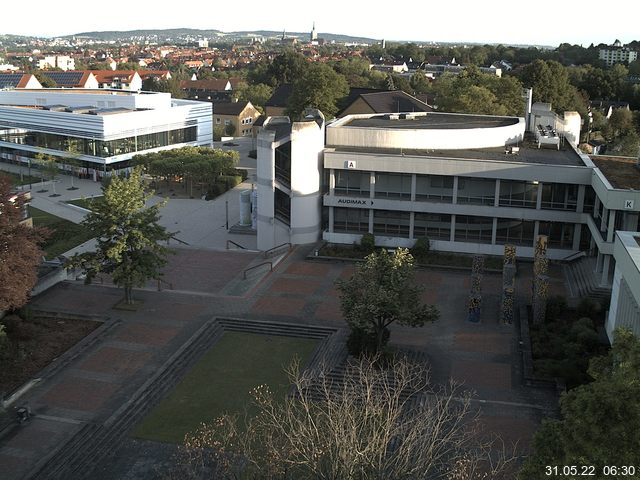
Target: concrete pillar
x=603 y=219
x=604 y=279
x=536 y=231
x=371 y=220
x=630 y=221
x=494 y=231
x=539 y=197
x=599 y=262
x=413 y=188
x=612 y=225
x=496 y=201
x=411 y=223
x=452 y=233
x=372 y=185
x=455 y=190
x=577 y=233
x=331 y=219
x=332 y=182
x=580 y=202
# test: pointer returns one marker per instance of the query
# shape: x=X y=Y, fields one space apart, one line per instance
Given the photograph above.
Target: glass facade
x=393 y=185
x=560 y=234
x=99 y=148
x=283 y=164
x=518 y=194
x=477 y=191
x=473 y=229
x=352 y=183
x=282 y=206
x=350 y=220
x=517 y=232
x=559 y=196
x=432 y=225
x=391 y=223
x=434 y=188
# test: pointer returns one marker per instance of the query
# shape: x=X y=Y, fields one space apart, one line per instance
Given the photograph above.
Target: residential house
x=236 y=117
x=277 y=104
x=118 y=79
x=73 y=79
x=18 y=80
x=370 y=101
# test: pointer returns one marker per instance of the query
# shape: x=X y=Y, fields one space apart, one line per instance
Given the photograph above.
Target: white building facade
x=624 y=310
x=101 y=129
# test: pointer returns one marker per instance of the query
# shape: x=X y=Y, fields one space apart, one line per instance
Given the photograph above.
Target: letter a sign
x=350 y=164
x=628 y=204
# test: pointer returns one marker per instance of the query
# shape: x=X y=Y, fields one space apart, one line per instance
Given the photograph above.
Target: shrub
x=363 y=342
x=11 y=323
x=368 y=243
x=229 y=181
x=556 y=308
x=421 y=248
x=588 y=307
x=243 y=173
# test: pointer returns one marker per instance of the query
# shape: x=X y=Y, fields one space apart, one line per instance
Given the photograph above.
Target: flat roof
x=528 y=153
x=622 y=172
x=434 y=121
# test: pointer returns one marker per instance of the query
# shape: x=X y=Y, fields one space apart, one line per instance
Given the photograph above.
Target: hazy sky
x=544 y=22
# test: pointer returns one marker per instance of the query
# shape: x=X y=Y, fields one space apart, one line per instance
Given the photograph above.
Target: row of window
x=438 y=188
x=437 y=226
x=99 y=148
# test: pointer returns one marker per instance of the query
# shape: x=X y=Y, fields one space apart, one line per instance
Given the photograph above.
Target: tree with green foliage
x=599 y=423
x=44 y=80
x=285 y=68
x=319 y=87
x=127 y=234
x=20 y=252
x=257 y=94
x=171 y=85
x=382 y=291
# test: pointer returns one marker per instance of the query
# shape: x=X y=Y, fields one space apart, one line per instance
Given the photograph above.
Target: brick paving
x=484 y=356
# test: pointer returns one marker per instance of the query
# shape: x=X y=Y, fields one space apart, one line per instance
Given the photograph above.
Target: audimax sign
x=354 y=202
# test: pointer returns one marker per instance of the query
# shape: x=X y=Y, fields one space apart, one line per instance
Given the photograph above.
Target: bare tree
x=368 y=422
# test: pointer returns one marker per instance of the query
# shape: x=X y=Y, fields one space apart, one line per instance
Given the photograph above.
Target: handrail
x=236 y=244
x=244 y=274
x=161 y=281
x=574 y=256
x=177 y=240
x=271 y=250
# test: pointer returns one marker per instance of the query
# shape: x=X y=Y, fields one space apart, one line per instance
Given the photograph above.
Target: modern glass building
x=101 y=129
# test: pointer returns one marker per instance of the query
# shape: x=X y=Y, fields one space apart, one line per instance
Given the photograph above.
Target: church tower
x=314 y=34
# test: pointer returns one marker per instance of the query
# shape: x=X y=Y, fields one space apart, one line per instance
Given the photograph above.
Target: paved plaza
x=105 y=373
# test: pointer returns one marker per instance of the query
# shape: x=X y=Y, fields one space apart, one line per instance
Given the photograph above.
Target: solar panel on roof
x=67 y=79
x=8 y=80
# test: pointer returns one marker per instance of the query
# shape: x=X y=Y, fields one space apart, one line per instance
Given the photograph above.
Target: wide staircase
x=583 y=281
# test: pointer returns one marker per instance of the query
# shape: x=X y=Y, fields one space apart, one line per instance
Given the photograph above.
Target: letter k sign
x=628 y=204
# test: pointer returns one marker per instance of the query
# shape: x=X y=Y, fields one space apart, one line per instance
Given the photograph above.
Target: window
x=352 y=183
x=518 y=194
x=477 y=191
x=560 y=234
x=393 y=185
x=515 y=231
x=391 y=223
x=218 y=120
x=282 y=206
x=227 y=122
x=350 y=220
x=473 y=229
x=434 y=188
x=432 y=226
x=559 y=196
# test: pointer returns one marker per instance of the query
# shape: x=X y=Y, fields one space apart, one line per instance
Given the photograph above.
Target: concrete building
x=617 y=53
x=469 y=183
x=102 y=129
x=624 y=310
x=118 y=79
x=63 y=62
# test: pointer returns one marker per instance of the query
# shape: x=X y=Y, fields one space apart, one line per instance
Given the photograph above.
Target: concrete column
x=331 y=219
x=371 y=220
x=604 y=279
x=494 y=230
x=581 y=191
x=452 y=233
x=612 y=225
x=372 y=185
x=539 y=197
x=599 y=262
x=332 y=183
x=596 y=206
x=411 y=223
x=496 y=201
x=455 y=190
x=577 y=233
x=536 y=232
x=603 y=219
x=630 y=221
x=413 y=188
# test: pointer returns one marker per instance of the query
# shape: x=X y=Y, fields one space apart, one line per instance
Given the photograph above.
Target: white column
x=452 y=233
x=413 y=188
x=580 y=202
x=577 y=233
x=494 y=231
x=330 y=219
x=455 y=190
x=539 y=197
x=496 y=201
x=604 y=279
x=612 y=224
x=411 y=223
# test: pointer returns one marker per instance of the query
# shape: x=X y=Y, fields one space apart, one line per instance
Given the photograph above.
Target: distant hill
x=183 y=33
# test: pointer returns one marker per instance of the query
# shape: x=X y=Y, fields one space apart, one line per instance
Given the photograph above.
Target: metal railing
x=244 y=274
x=277 y=247
x=236 y=244
x=173 y=237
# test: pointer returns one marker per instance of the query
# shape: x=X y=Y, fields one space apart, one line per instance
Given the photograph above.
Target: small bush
x=588 y=308
x=368 y=243
x=556 y=308
x=363 y=342
x=421 y=248
x=243 y=173
x=229 y=181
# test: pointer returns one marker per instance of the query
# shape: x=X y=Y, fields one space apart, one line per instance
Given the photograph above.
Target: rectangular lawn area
x=65 y=235
x=86 y=202
x=220 y=383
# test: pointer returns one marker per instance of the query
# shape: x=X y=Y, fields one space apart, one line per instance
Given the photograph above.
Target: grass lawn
x=86 y=202
x=220 y=383
x=65 y=235
x=15 y=178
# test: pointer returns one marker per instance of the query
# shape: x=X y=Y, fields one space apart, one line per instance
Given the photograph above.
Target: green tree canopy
x=383 y=291
x=127 y=234
x=257 y=94
x=599 y=424
x=319 y=87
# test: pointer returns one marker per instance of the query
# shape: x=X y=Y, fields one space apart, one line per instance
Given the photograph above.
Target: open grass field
x=86 y=202
x=17 y=179
x=221 y=381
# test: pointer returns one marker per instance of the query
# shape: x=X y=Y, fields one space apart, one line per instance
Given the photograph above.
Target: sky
x=538 y=22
